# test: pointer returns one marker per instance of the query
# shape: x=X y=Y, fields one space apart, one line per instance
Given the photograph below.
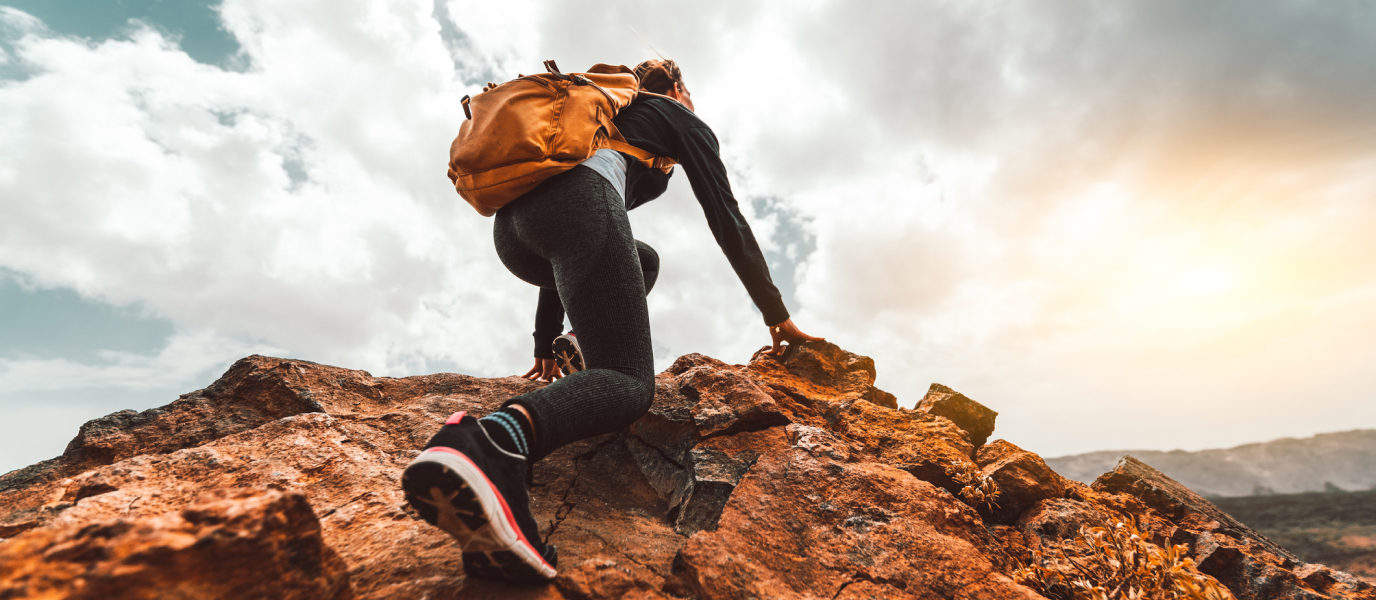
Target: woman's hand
x=545 y=369
x=787 y=332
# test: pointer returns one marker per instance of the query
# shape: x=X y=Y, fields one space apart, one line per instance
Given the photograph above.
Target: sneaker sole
x=568 y=355
x=452 y=493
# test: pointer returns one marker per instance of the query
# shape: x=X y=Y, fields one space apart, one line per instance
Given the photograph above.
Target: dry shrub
x=980 y=490
x=1117 y=563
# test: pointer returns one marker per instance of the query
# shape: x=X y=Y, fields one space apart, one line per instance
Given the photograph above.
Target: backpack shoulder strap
x=617 y=142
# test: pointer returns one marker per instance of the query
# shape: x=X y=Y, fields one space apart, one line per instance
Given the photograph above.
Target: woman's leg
x=549 y=312
x=572 y=233
x=574 y=230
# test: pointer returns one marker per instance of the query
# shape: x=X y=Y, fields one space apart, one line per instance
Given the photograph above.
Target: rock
x=1251 y=566
x=786 y=477
x=250 y=395
x=718 y=465
x=803 y=525
x=607 y=578
x=1023 y=479
x=1178 y=503
x=967 y=414
x=239 y=544
x=697 y=440
x=1054 y=520
x=727 y=400
x=1329 y=581
x=662 y=441
x=815 y=372
x=608 y=524
x=920 y=443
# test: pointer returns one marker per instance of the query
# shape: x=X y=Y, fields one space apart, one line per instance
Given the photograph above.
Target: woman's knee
x=649 y=264
x=640 y=394
x=647 y=396
x=649 y=259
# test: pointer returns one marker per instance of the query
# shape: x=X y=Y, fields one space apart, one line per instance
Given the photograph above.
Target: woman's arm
x=668 y=129
x=549 y=323
x=707 y=176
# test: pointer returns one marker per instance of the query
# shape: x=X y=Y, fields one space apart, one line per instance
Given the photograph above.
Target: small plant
x=980 y=490
x=1117 y=563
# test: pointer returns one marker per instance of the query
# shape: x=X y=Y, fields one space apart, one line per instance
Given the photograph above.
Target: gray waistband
x=611 y=165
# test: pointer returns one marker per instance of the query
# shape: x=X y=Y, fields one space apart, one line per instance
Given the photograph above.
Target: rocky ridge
x=782 y=478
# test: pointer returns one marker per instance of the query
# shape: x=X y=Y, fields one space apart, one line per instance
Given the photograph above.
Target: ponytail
x=658 y=76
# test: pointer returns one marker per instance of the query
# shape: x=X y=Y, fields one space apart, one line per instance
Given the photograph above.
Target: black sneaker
x=567 y=352
x=464 y=484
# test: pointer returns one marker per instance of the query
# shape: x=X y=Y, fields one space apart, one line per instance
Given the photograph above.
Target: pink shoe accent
x=456 y=417
x=506 y=510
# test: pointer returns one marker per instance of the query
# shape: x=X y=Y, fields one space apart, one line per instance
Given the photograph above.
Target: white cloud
x=137 y=174
x=1013 y=200
x=186 y=356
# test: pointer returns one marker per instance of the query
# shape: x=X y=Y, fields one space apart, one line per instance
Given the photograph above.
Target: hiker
x=571 y=237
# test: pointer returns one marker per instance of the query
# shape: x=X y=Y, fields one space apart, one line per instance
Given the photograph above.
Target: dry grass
x=979 y=490
x=1117 y=563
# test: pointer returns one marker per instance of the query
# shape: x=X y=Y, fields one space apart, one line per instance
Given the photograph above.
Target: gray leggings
x=572 y=233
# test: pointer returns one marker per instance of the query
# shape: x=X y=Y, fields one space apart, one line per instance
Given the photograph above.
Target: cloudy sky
x=1137 y=224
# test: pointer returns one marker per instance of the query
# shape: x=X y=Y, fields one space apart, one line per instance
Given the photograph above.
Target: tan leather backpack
x=533 y=127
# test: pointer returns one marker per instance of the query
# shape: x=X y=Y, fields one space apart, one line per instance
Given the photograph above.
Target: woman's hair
x=658 y=76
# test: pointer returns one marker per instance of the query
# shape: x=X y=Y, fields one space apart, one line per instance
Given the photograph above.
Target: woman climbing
x=571 y=236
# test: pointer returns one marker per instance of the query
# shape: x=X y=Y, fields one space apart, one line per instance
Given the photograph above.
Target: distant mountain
x=1342 y=461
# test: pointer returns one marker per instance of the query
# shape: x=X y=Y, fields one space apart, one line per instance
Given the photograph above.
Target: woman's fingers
x=777 y=333
x=551 y=369
x=545 y=369
x=788 y=332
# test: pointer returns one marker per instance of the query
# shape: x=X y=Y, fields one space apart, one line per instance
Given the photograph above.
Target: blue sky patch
x=59 y=323
x=196 y=22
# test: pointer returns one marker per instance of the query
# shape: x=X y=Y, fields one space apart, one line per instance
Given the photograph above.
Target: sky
x=1138 y=224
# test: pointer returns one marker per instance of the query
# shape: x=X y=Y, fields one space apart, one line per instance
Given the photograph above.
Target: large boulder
x=247 y=543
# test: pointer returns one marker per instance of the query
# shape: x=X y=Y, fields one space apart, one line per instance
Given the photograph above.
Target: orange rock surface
x=782 y=478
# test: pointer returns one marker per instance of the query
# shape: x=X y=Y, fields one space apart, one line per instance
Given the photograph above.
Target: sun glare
x=1206 y=281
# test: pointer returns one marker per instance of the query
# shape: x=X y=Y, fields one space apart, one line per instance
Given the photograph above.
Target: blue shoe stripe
x=512 y=428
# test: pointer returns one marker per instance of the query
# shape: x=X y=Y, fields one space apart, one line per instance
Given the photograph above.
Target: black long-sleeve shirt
x=667 y=128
